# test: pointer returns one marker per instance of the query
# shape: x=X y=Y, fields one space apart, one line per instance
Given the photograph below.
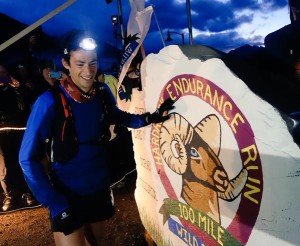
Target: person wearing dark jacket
x=13 y=116
x=78 y=194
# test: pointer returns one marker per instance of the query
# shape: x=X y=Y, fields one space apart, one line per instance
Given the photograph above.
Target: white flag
x=137 y=29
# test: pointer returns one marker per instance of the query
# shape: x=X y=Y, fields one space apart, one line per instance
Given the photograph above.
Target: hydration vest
x=64 y=143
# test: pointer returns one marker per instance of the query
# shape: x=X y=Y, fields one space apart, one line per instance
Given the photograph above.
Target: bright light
x=8 y=129
x=88 y=44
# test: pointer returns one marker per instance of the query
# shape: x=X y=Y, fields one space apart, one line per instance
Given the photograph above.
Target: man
x=13 y=116
x=78 y=195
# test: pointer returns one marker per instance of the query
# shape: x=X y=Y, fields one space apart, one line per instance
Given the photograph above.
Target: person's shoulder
x=47 y=96
x=46 y=99
x=101 y=86
x=104 y=90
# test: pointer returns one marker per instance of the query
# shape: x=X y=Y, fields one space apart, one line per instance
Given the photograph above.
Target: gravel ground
x=31 y=227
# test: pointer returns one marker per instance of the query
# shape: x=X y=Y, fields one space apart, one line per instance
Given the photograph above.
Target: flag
x=137 y=29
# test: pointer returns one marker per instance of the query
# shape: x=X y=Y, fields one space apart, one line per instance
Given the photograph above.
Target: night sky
x=221 y=24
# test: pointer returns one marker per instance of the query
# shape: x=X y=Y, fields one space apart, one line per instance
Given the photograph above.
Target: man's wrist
x=147 y=118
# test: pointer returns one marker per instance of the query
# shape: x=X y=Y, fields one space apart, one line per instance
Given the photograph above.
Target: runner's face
x=82 y=68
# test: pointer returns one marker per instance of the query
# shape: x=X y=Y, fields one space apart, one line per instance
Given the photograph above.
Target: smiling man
x=72 y=121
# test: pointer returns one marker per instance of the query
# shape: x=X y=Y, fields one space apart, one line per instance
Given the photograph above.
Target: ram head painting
x=192 y=152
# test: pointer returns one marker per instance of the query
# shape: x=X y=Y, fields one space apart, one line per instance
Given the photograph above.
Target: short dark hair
x=72 y=42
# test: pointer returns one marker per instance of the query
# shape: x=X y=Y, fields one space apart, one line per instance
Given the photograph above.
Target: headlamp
x=88 y=44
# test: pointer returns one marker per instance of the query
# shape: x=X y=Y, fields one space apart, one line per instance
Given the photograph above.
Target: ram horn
x=175 y=134
x=235 y=186
x=209 y=129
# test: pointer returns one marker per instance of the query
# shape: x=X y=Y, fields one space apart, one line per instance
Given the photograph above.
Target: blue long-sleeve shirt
x=88 y=171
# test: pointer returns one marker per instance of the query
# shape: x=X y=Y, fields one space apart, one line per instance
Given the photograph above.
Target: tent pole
x=35 y=25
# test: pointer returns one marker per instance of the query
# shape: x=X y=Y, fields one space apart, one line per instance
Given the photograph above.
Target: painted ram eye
x=194 y=153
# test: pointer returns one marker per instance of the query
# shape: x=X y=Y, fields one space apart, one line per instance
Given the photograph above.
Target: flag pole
x=121 y=20
x=188 y=9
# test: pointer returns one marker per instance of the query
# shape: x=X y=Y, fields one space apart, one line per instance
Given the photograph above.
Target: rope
x=161 y=35
x=114 y=184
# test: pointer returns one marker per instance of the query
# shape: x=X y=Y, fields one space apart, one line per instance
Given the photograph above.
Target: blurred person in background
x=110 y=80
x=13 y=116
x=44 y=80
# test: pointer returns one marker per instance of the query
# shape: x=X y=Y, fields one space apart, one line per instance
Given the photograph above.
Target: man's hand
x=159 y=116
